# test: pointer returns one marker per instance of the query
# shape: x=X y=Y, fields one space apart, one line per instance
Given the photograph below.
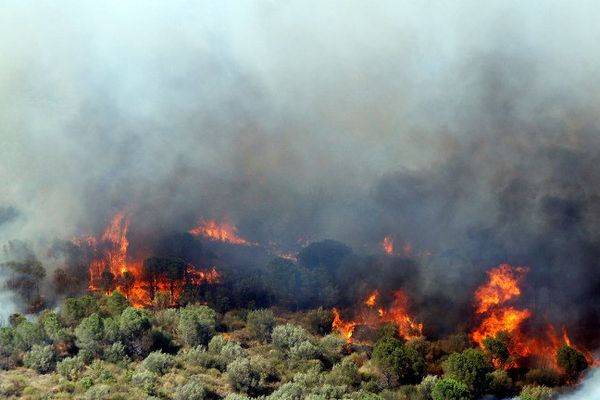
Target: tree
x=450 y=389
x=319 y=321
x=496 y=349
x=196 y=325
x=40 y=359
x=327 y=254
x=261 y=323
x=157 y=269
x=27 y=334
x=397 y=362
x=126 y=282
x=90 y=334
x=158 y=362
x=107 y=281
x=571 y=361
x=469 y=367
x=133 y=326
x=74 y=310
x=114 y=304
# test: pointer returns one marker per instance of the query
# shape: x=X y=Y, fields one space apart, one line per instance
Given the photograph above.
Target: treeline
x=99 y=347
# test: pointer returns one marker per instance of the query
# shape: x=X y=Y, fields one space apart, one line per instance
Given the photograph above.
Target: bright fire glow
x=388 y=245
x=223 y=232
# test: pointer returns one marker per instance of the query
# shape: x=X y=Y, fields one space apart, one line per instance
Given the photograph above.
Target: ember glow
x=388 y=245
x=223 y=232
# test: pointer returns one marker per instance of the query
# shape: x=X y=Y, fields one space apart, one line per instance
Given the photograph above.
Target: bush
x=244 y=376
x=469 y=367
x=89 y=334
x=133 y=322
x=319 y=321
x=344 y=373
x=145 y=380
x=287 y=336
x=196 y=325
x=70 y=368
x=426 y=387
x=397 y=362
x=27 y=334
x=191 y=391
x=450 y=389
x=116 y=354
x=236 y=396
x=98 y=392
x=261 y=324
x=571 y=361
x=74 y=310
x=158 y=362
x=332 y=348
x=536 y=393
x=304 y=351
x=40 y=359
x=500 y=383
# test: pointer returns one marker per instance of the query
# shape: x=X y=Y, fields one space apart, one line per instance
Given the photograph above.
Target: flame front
x=223 y=232
x=346 y=329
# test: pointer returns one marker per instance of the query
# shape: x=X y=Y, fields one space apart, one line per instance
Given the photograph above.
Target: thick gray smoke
x=467 y=131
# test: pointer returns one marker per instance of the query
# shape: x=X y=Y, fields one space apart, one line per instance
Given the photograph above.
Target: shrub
x=40 y=359
x=70 y=368
x=543 y=377
x=261 y=324
x=332 y=347
x=98 y=392
x=571 y=361
x=244 y=376
x=287 y=336
x=196 y=325
x=89 y=334
x=74 y=310
x=319 y=321
x=500 y=383
x=536 y=393
x=426 y=387
x=158 y=362
x=450 y=389
x=236 y=396
x=27 y=334
x=304 y=351
x=344 y=373
x=145 y=380
x=191 y=391
x=469 y=367
x=116 y=354
x=114 y=304
x=133 y=322
x=397 y=362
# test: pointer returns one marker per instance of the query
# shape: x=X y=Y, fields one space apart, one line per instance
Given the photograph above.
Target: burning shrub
x=497 y=349
x=261 y=324
x=196 y=325
x=40 y=359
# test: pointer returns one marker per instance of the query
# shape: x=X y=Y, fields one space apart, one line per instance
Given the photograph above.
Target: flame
x=344 y=328
x=370 y=301
x=388 y=245
x=397 y=313
x=502 y=286
x=223 y=232
x=111 y=256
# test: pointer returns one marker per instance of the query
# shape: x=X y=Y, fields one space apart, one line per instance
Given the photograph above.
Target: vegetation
x=100 y=347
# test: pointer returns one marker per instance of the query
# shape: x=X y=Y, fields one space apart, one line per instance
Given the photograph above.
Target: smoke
x=589 y=390
x=469 y=132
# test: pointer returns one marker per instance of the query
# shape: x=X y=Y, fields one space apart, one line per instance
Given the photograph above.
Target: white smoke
x=589 y=390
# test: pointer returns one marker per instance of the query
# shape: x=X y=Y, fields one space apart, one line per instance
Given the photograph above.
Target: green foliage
x=145 y=380
x=226 y=349
x=284 y=337
x=158 y=362
x=500 y=383
x=89 y=334
x=99 y=392
x=116 y=353
x=261 y=324
x=27 y=334
x=74 y=310
x=304 y=351
x=70 y=368
x=114 y=304
x=537 y=393
x=52 y=327
x=40 y=359
x=450 y=389
x=397 y=362
x=496 y=349
x=191 y=391
x=319 y=321
x=133 y=322
x=245 y=376
x=571 y=361
x=344 y=373
x=196 y=325
x=332 y=348
x=469 y=367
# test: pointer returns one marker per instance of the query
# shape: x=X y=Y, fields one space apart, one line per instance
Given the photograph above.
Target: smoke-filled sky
x=460 y=128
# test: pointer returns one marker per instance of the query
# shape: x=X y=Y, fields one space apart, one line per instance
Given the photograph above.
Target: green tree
x=397 y=362
x=450 y=389
x=196 y=325
x=496 y=349
x=40 y=359
x=571 y=361
x=261 y=324
x=27 y=334
x=74 y=310
x=113 y=305
x=469 y=367
x=89 y=334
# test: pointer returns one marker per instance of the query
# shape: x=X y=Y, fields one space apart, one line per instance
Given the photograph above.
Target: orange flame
x=502 y=286
x=224 y=232
x=370 y=301
x=344 y=328
x=388 y=245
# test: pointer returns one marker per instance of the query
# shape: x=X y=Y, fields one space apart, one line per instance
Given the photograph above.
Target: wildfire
x=397 y=313
x=388 y=245
x=112 y=270
x=491 y=303
x=223 y=232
